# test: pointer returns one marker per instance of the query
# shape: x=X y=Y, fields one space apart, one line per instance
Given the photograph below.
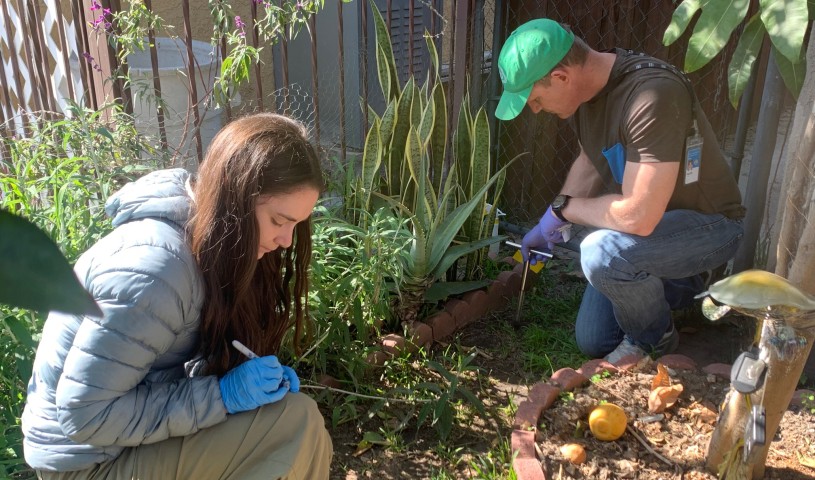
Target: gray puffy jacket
x=101 y=385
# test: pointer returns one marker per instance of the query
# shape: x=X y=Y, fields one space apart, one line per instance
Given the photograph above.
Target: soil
x=681 y=437
x=678 y=442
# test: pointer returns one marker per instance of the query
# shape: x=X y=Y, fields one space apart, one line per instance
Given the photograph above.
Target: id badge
x=693 y=157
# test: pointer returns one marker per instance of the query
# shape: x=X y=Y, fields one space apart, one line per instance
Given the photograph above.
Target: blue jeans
x=635 y=281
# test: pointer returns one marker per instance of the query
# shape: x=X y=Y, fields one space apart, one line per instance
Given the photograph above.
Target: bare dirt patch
x=680 y=438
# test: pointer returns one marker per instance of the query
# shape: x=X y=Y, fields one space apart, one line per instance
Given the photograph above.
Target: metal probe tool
x=546 y=254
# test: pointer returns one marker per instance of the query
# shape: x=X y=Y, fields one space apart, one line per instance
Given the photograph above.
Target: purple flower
x=95 y=5
x=240 y=25
x=300 y=5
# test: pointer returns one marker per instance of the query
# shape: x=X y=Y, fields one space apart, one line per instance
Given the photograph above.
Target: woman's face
x=277 y=216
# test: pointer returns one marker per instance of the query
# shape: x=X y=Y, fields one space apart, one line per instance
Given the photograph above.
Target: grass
x=495 y=362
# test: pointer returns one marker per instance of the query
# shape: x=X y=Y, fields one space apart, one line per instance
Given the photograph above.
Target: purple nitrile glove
x=543 y=236
x=255 y=383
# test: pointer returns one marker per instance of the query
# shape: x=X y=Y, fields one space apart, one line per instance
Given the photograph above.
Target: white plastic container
x=493 y=251
x=179 y=119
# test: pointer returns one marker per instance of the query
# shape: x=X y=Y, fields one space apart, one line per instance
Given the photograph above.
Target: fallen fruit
x=574 y=453
x=607 y=422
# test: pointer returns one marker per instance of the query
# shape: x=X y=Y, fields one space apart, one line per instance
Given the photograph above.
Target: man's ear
x=559 y=74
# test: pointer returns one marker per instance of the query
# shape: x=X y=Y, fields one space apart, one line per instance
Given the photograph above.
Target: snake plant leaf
x=383 y=41
x=438 y=137
x=399 y=139
x=434 y=56
x=680 y=20
x=786 y=22
x=383 y=72
x=423 y=212
x=744 y=56
x=441 y=290
x=34 y=274
x=371 y=163
x=426 y=124
x=791 y=73
x=712 y=30
x=388 y=122
x=479 y=169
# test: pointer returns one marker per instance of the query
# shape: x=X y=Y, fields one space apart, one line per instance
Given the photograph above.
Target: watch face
x=558 y=202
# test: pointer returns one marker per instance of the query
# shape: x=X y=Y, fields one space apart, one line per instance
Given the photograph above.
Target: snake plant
x=406 y=163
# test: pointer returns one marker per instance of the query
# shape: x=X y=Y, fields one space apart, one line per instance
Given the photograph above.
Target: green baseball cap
x=529 y=54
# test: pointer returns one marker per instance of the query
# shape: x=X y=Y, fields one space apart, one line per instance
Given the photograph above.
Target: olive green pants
x=285 y=440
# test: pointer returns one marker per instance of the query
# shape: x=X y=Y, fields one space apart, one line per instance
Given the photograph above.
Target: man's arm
x=583 y=180
x=647 y=187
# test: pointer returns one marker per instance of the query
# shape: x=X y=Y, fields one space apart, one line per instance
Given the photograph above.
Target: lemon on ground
x=607 y=422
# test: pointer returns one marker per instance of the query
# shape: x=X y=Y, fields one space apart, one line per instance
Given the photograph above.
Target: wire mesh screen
x=547 y=145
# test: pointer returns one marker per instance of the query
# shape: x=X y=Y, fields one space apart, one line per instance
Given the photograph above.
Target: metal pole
x=755 y=197
x=743 y=122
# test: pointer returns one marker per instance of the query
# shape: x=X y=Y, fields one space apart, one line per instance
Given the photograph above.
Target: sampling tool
x=543 y=253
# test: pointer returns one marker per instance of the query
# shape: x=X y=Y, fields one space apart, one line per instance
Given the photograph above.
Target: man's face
x=553 y=95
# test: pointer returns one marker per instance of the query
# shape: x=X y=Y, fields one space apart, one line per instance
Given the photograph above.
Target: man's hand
x=543 y=236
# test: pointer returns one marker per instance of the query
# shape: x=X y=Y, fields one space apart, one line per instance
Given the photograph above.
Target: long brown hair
x=247 y=299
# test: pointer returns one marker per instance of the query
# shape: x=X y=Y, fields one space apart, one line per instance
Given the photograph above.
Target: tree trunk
x=795 y=260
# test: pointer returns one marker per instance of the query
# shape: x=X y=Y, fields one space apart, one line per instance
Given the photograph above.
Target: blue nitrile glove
x=290 y=375
x=543 y=236
x=254 y=383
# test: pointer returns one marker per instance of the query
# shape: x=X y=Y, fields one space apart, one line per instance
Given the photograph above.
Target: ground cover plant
x=58 y=178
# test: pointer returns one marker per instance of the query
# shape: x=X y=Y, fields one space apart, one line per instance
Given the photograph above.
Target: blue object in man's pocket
x=616 y=161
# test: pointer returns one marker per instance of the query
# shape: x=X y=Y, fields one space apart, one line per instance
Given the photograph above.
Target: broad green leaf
x=745 y=55
x=792 y=73
x=445 y=232
x=34 y=274
x=20 y=332
x=786 y=23
x=710 y=34
x=455 y=252
x=434 y=56
x=680 y=20
x=441 y=290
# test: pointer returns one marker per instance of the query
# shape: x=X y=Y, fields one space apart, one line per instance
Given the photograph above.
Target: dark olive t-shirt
x=645 y=116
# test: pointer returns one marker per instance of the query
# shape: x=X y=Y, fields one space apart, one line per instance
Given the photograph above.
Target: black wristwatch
x=558 y=204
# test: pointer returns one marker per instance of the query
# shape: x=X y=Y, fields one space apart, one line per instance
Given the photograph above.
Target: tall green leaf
x=371 y=161
x=710 y=34
x=745 y=55
x=398 y=140
x=34 y=274
x=791 y=73
x=680 y=20
x=438 y=137
x=384 y=73
x=383 y=40
x=434 y=56
x=786 y=23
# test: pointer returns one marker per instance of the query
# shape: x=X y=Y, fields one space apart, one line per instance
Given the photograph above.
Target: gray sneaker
x=667 y=344
x=624 y=349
